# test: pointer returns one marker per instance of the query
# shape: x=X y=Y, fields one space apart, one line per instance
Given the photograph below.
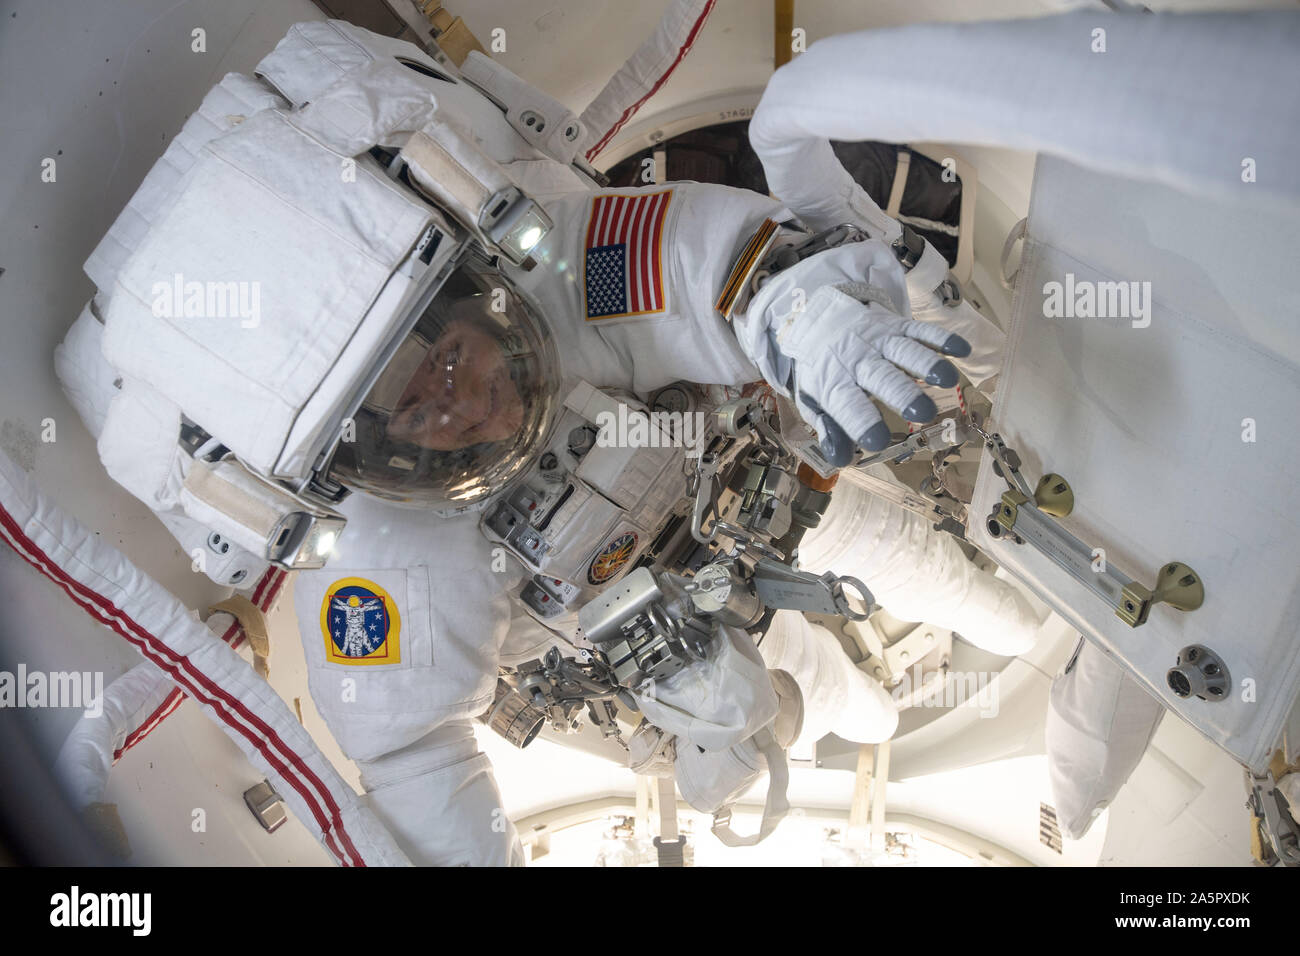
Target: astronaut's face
x=461 y=395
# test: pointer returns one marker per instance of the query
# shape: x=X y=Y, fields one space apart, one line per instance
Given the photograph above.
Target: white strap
x=669 y=844
x=900 y=182
x=776 y=806
x=667 y=808
x=1015 y=235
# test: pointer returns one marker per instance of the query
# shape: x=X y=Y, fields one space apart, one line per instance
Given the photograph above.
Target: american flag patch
x=623 y=272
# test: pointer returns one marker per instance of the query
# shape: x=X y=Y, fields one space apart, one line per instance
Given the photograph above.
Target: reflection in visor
x=460 y=394
x=463 y=405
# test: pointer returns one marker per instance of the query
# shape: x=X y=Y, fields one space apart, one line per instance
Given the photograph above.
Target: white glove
x=835 y=331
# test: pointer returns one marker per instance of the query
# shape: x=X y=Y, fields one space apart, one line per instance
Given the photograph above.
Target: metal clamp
x=949 y=291
x=785 y=256
x=909 y=247
x=1278 y=825
x=703 y=485
x=948 y=433
x=266 y=805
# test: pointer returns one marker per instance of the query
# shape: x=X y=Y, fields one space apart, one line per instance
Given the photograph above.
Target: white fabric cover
x=264 y=205
x=717 y=703
x=1204 y=388
x=1036 y=84
x=838 y=698
x=378 y=103
x=918 y=574
x=226 y=105
x=116 y=593
x=1099 y=723
x=712 y=779
x=149 y=469
x=87 y=380
x=139 y=445
x=314 y=55
x=651 y=751
x=86 y=757
x=644 y=72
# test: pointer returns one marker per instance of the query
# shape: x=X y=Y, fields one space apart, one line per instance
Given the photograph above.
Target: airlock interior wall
x=1176 y=436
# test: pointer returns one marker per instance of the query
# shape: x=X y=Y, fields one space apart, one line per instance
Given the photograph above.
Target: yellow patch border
x=395 y=648
x=746 y=265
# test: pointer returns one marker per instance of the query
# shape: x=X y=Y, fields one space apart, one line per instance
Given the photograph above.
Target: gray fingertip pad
x=921 y=410
x=943 y=374
x=876 y=437
x=835 y=445
x=956 y=346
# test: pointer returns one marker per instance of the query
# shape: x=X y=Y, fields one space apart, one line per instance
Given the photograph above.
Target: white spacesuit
x=385 y=354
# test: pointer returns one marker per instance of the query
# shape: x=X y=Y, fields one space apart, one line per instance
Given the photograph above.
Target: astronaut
x=439 y=283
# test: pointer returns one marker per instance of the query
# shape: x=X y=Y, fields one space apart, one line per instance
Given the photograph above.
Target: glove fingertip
x=835 y=444
x=922 y=409
x=943 y=373
x=876 y=437
x=956 y=346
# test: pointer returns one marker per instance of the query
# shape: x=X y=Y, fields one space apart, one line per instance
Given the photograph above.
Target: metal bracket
x=1026 y=517
x=266 y=805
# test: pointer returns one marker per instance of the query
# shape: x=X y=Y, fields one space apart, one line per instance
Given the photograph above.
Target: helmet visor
x=464 y=404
